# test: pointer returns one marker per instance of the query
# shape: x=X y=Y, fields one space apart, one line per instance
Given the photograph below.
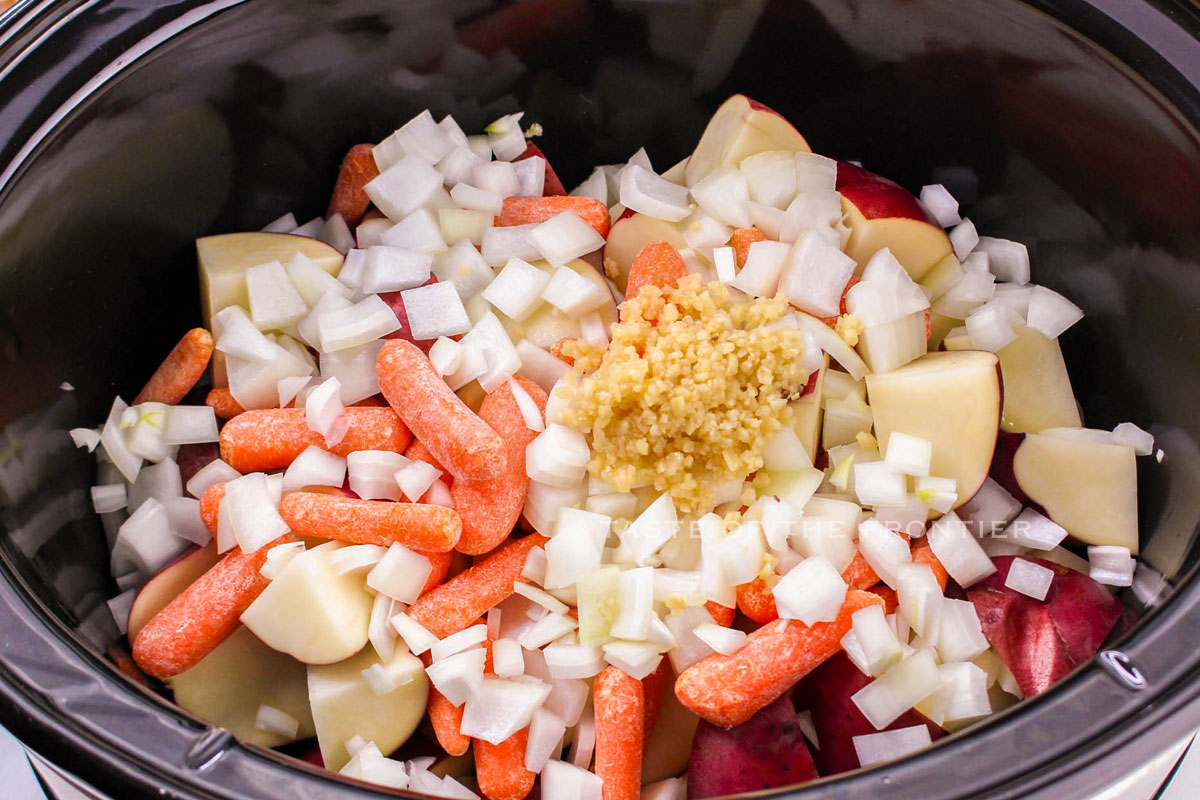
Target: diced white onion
x=415 y=479
x=1111 y=565
x=990 y=327
x=643 y=191
x=879 y=483
x=725 y=641
x=1129 y=434
x=363 y=322
x=415 y=635
x=1007 y=260
x=557 y=457
x=404 y=186
x=876 y=748
x=900 y=688
x=459 y=677
x=546 y=733
x=573 y=294
x=272 y=720
x=563 y=781
x=401 y=574
x=467 y=638
x=908 y=455
x=1051 y=313
x=253 y=512
x=811 y=592
x=959 y=551
x=884 y=550
x=816 y=275
x=313 y=467
x=964 y=238
x=434 y=311
x=938 y=200
x=1033 y=530
x=109 y=497
x=517 y=290
x=1029 y=578
x=725 y=196
x=390 y=269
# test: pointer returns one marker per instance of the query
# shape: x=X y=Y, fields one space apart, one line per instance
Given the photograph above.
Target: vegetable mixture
x=681 y=485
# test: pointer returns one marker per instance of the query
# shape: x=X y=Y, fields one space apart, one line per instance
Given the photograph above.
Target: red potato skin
x=877 y=197
x=765 y=752
x=826 y=693
x=1042 y=641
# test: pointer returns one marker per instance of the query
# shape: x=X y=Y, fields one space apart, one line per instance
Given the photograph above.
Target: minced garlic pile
x=690 y=390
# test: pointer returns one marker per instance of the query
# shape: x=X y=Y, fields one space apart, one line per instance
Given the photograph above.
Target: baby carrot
x=657 y=264
x=755 y=600
x=620 y=704
x=349 y=193
x=652 y=690
x=559 y=350
x=722 y=615
x=271 y=438
x=441 y=568
x=490 y=508
x=203 y=615
x=223 y=404
x=454 y=434
x=859 y=574
x=369 y=402
x=741 y=240
x=529 y=210
x=446 y=720
x=180 y=370
x=469 y=595
x=728 y=690
x=922 y=553
x=210 y=506
x=348 y=519
x=500 y=768
x=891 y=600
x=419 y=452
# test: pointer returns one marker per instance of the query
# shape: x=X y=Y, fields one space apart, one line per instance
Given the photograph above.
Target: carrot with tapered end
x=349 y=519
x=204 y=614
x=469 y=595
x=272 y=438
x=223 y=403
x=463 y=443
x=349 y=192
x=728 y=690
x=500 y=768
x=180 y=371
x=741 y=240
x=210 y=506
x=419 y=452
x=620 y=705
x=922 y=553
x=657 y=264
x=755 y=600
x=532 y=210
x=489 y=509
x=721 y=614
x=653 y=686
x=446 y=719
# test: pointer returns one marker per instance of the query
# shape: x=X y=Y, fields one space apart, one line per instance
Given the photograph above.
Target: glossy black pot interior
x=130 y=127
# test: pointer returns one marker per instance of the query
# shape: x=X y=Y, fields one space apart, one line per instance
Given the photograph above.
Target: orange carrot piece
x=559 y=350
x=454 y=434
x=722 y=615
x=531 y=210
x=441 y=563
x=489 y=509
x=859 y=575
x=223 y=403
x=446 y=720
x=922 y=553
x=419 y=452
x=271 y=438
x=204 y=614
x=728 y=690
x=620 y=705
x=755 y=600
x=467 y=596
x=653 y=686
x=891 y=601
x=349 y=193
x=500 y=768
x=657 y=264
x=210 y=506
x=180 y=371
x=741 y=240
x=348 y=519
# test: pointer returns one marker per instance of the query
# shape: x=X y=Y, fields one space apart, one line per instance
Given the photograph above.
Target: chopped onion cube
x=540 y=597
x=507 y=658
x=643 y=191
x=940 y=494
x=812 y=591
x=938 y=200
x=500 y=708
x=960 y=634
x=1028 y=578
x=546 y=733
x=373 y=473
x=900 y=688
x=419 y=231
x=573 y=294
x=1051 y=313
x=878 y=483
x=557 y=457
x=355 y=557
x=573 y=661
x=253 y=512
x=517 y=290
x=765 y=263
x=636 y=592
x=530 y=413
x=470 y=637
x=964 y=238
x=959 y=551
x=725 y=196
x=884 y=550
x=725 y=641
x=390 y=269
x=1031 y=529
x=415 y=635
x=990 y=326
x=816 y=275
x=531 y=174
x=989 y=510
x=404 y=186
x=274 y=301
x=364 y=322
x=109 y=497
x=725 y=263
x=144 y=542
x=379 y=680
x=476 y=199
x=325 y=413
x=539 y=366
x=546 y=630
x=498 y=177
x=880 y=648
x=1007 y=260
x=401 y=574
x=563 y=781
x=1129 y=434
x=272 y=720
x=635 y=659
x=415 y=479
x=1111 y=565
x=446 y=355
x=576 y=547
x=459 y=677
x=434 y=311
x=920 y=598
x=908 y=454
x=876 y=748
x=189 y=425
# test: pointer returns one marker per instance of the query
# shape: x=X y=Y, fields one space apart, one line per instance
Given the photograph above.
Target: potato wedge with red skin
x=765 y=752
x=826 y=693
x=1042 y=641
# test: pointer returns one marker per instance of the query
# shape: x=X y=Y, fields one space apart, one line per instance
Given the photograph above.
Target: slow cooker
x=128 y=128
